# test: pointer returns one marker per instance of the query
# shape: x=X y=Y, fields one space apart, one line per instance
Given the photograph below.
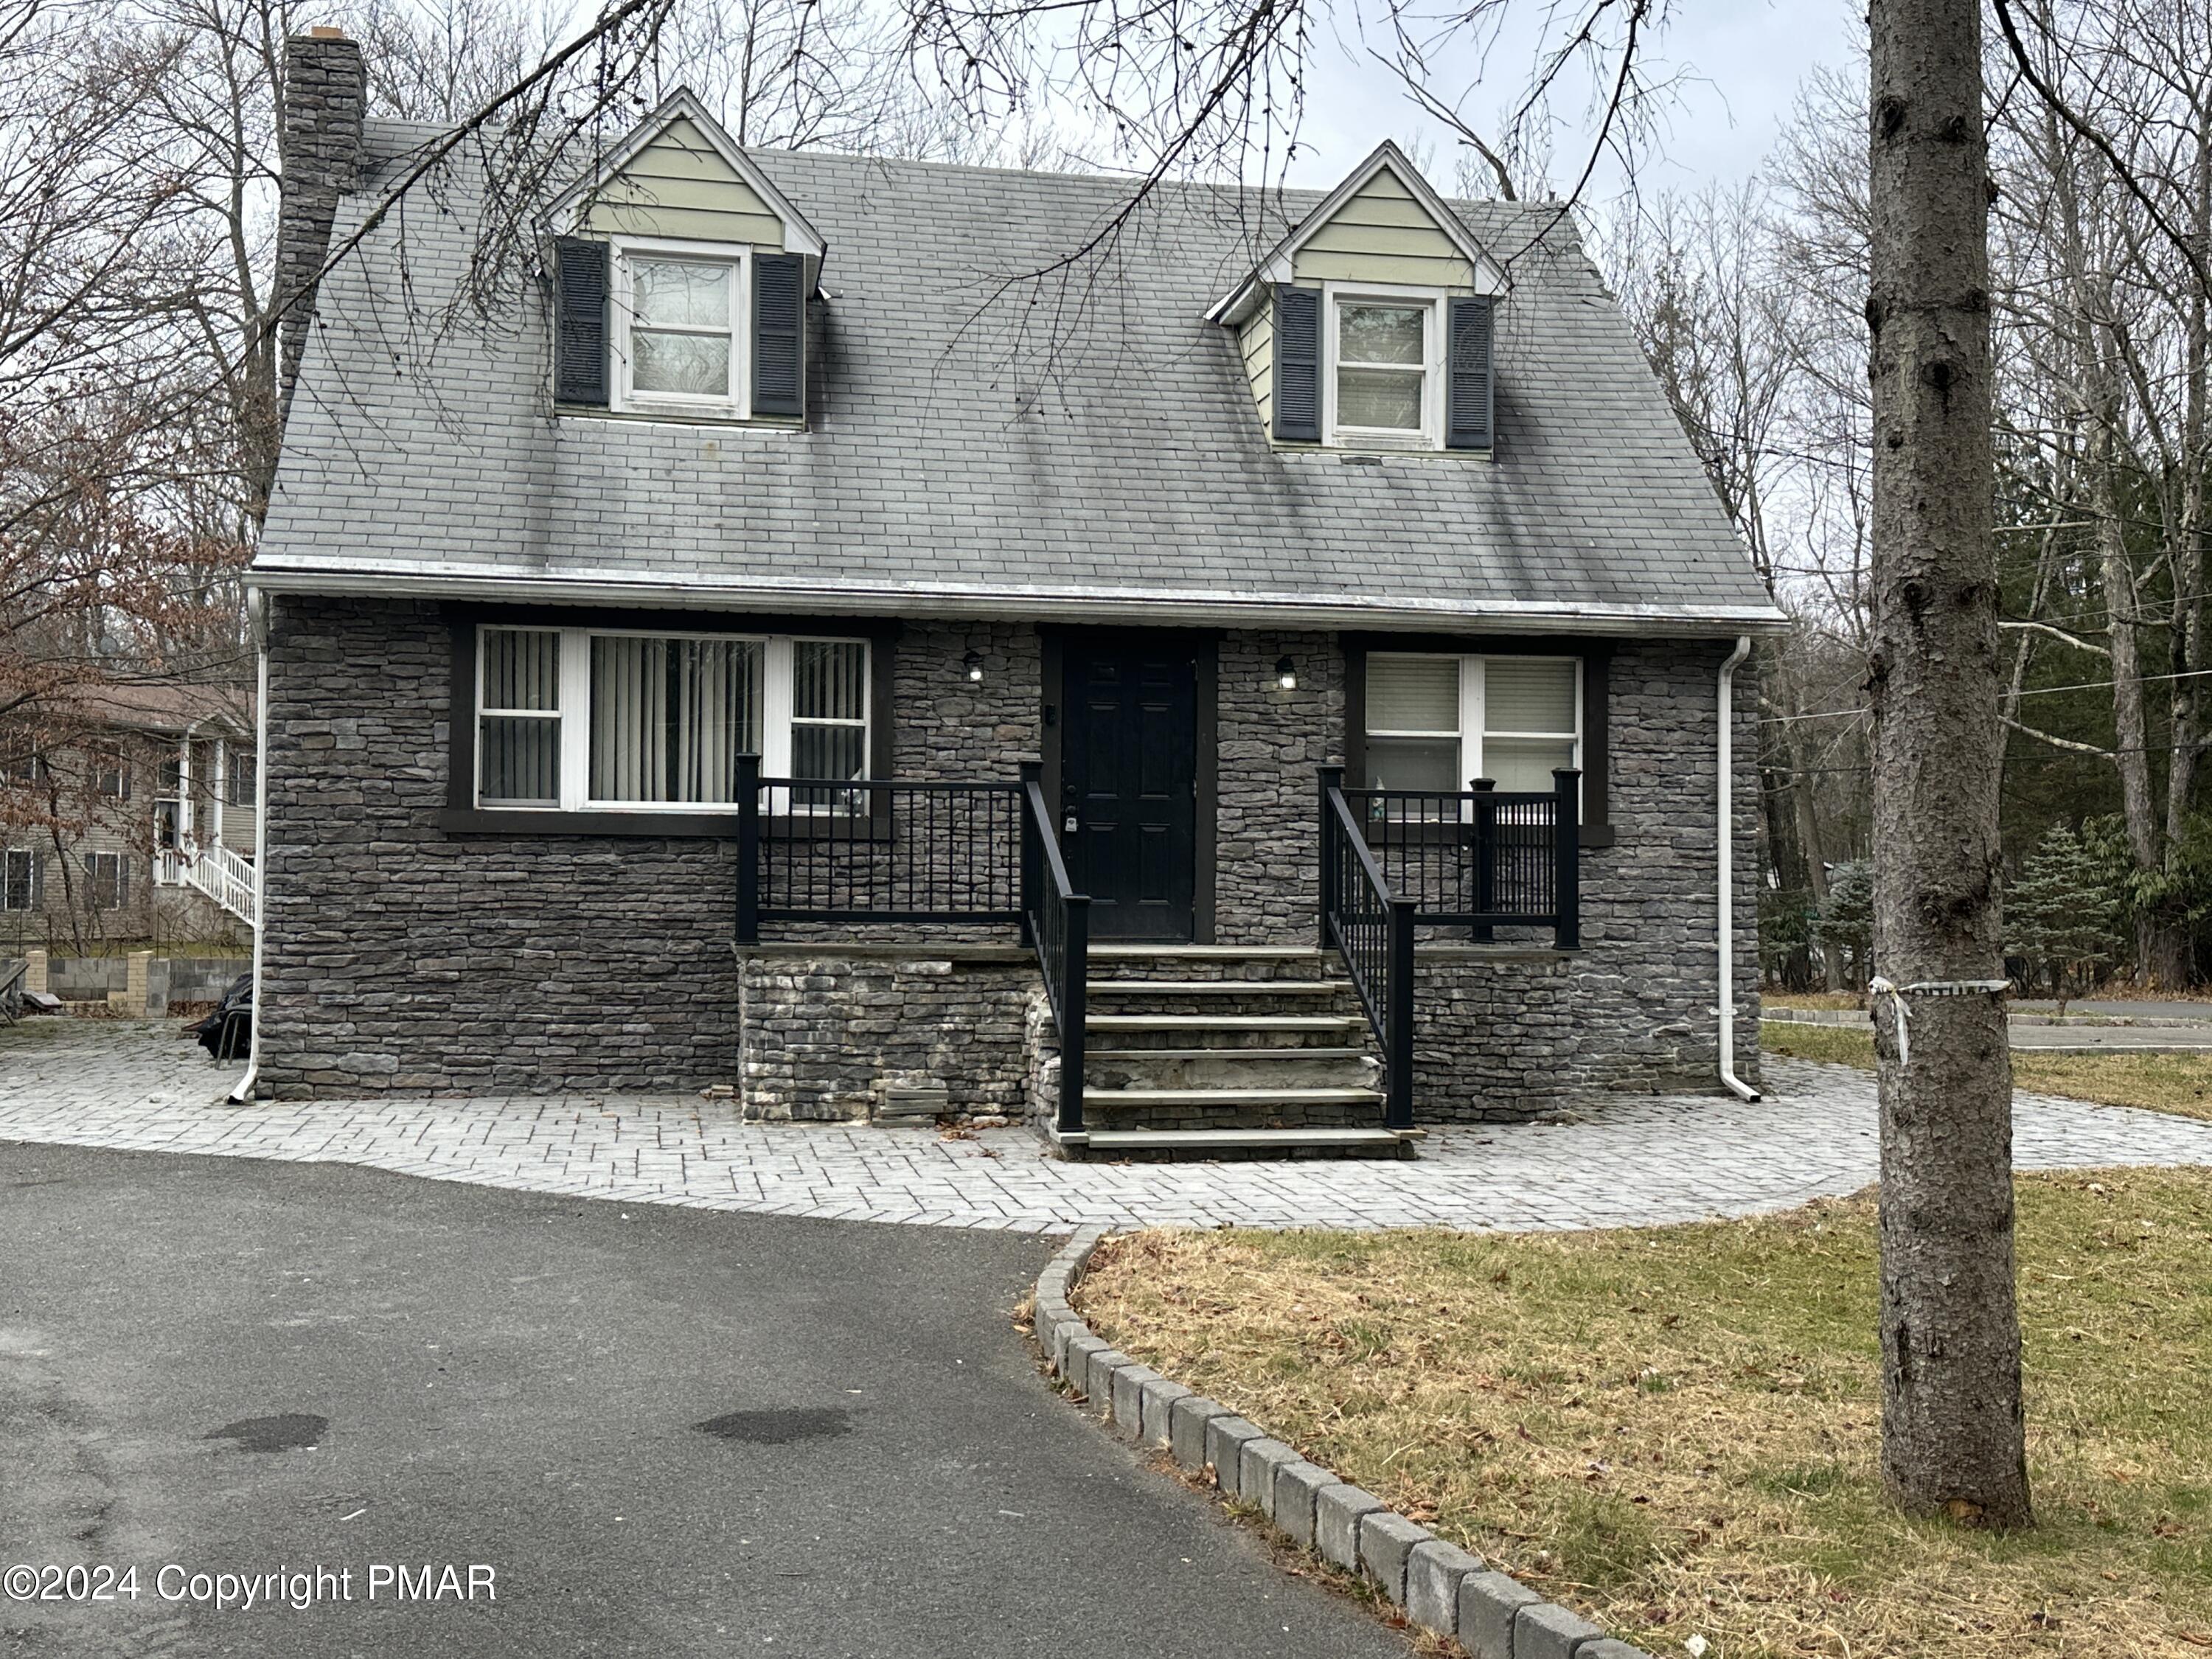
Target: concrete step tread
x=1271 y=1056
x=1222 y=1022
x=1330 y=1096
x=1105 y=1140
x=1218 y=987
x=1207 y=952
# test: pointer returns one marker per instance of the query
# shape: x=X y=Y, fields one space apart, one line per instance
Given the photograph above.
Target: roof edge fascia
x=1166 y=606
x=800 y=235
x=1278 y=266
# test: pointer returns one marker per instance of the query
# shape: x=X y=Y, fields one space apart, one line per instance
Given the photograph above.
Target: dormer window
x=1386 y=369
x=679 y=328
x=679 y=281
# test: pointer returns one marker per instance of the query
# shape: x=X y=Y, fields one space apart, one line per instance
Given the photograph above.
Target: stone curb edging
x=1438 y=1586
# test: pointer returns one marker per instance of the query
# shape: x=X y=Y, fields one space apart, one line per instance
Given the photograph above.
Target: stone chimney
x=326 y=93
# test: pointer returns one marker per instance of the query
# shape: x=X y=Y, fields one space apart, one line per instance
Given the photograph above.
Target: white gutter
x=243 y=1093
x=1725 y=818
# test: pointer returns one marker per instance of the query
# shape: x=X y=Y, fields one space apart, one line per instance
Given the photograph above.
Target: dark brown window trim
x=531 y=821
x=1598 y=827
x=463 y=816
x=657 y=826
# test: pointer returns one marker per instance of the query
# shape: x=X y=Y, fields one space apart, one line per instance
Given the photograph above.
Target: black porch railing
x=862 y=851
x=1395 y=860
x=1372 y=929
x=1481 y=857
x=1057 y=920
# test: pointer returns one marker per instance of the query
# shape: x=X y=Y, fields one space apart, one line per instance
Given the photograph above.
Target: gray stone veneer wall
x=1501 y=1034
x=1271 y=742
x=401 y=958
x=398 y=956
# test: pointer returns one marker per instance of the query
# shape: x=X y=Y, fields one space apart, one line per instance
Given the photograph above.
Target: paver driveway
x=1619 y=1161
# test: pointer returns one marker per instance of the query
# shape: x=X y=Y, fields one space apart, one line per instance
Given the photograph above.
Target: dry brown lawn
x=1676 y=1429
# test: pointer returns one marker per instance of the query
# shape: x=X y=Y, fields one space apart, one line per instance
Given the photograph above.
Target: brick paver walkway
x=1620 y=1160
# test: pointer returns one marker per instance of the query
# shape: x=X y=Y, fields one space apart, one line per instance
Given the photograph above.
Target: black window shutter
x=579 y=321
x=1297 y=365
x=1469 y=402
x=779 y=334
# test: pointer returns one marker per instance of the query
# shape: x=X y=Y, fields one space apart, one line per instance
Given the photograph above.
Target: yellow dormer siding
x=1381 y=234
x=679 y=185
x=1256 y=342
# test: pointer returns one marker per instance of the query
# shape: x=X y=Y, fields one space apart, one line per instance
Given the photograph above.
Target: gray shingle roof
x=1063 y=448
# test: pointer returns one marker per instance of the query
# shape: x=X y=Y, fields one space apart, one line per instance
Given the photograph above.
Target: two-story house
x=127 y=816
x=1275 y=683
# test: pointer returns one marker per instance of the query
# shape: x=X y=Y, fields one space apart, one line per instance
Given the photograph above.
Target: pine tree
x=2064 y=915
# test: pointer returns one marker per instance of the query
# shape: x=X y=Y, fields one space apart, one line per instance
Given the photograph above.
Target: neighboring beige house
x=135 y=823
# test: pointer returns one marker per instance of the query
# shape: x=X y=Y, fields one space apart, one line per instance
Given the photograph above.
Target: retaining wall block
x=1296 y=1485
x=1100 y=1394
x=1156 y=1410
x=1489 y=1603
x=1186 y=1429
x=1544 y=1630
x=1386 y=1540
x=1433 y=1572
x=1128 y=1400
x=1255 y=1471
x=1076 y=1366
x=1224 y=1444
x=1611 y=1648
x=1337 y=1511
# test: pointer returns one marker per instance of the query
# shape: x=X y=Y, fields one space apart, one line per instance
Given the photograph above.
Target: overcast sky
x=1743 y=60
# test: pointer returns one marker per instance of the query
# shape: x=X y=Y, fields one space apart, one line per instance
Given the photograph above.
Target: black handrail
x=11 y=989
x=1372 y=929
x=1056 y=922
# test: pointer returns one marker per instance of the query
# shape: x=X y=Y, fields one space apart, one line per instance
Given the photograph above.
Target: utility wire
x=2028 y=692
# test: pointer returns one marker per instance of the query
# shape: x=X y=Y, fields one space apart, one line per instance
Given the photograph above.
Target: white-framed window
x=624 y=720
x=1438 y=722
x=19 y=880
x=679 y=316
x=109 y=879
x=1382 y=379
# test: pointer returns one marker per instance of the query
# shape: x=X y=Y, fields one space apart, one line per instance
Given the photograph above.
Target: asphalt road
x=669 y=1433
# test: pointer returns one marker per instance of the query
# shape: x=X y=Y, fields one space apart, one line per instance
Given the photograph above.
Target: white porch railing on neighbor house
x=217 y=872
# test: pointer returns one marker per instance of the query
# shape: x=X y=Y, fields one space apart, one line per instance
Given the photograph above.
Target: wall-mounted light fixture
x=973 y=662
x=1286 y=674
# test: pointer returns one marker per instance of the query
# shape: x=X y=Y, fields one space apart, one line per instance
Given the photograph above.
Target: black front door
x=1129 y=781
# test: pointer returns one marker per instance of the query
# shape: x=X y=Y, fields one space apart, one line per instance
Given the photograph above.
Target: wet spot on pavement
x=780 y=1427
x=291 y=1431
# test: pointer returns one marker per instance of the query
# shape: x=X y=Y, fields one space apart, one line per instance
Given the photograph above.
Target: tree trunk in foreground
x=1952 y=1429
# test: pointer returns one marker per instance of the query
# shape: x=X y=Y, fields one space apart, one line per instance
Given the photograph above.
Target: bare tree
x=1953 y=1429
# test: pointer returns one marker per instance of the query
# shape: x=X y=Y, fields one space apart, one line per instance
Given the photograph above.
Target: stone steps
x=1226 y=1051
x=1214 y=1143
x=1216 y=987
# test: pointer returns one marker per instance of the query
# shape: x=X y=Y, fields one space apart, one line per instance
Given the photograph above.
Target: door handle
x=1067 y=824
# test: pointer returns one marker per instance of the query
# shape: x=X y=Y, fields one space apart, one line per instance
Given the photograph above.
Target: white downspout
x=243 y=1093
x=1736 y=1086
